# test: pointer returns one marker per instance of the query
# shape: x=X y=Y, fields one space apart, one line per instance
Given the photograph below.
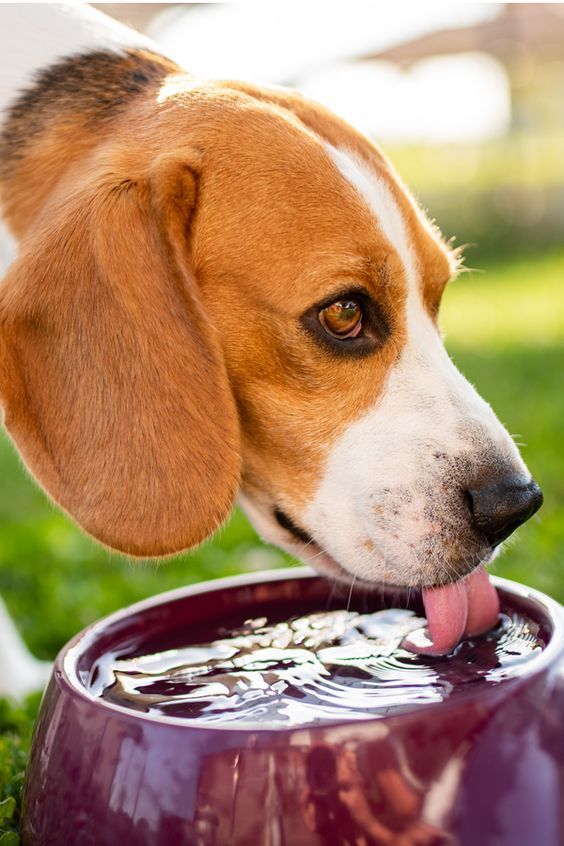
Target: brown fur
x=150 y=332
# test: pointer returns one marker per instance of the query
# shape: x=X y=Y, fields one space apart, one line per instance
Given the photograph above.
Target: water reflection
x=317 y=668
x=345 y=809
x=320 y=796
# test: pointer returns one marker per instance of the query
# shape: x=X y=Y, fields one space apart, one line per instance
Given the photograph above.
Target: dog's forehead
x=313 y=210
x=426 y=262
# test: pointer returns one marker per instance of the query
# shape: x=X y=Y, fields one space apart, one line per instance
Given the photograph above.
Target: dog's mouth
x=287 y=523
x=310 y=551
x=463 y=608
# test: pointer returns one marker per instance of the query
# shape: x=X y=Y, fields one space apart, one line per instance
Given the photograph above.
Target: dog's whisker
x=350 y=593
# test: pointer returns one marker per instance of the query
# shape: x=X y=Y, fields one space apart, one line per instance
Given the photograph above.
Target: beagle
x=224 y=290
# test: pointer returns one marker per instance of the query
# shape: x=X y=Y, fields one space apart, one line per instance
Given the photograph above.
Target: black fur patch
x=94 y=85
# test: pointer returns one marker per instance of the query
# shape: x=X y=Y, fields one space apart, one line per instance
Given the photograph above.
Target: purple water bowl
x=484 y=768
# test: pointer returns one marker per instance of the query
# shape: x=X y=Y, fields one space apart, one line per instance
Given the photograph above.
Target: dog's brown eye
x=342 y=319
x=347 y=323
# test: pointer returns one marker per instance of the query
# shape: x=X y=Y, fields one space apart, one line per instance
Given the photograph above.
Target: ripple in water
x=327 y=666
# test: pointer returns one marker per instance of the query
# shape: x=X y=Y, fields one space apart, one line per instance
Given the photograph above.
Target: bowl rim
x=65 y=675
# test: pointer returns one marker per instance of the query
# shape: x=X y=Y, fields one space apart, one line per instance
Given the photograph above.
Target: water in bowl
x=319 y=667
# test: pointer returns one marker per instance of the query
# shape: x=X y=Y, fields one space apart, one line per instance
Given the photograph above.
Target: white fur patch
x=381 y=202
x=35 y=35
x=20 y=672
x=390 y=502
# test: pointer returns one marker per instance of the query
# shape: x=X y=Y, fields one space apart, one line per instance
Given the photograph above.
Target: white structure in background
x=312 y=46
x=445 y=99
x=8 y=249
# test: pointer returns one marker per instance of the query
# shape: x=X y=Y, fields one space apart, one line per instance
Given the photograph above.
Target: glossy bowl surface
x=483 y=769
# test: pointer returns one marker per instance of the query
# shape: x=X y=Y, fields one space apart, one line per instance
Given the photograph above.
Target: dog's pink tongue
x=446 y=609
x=483 y=603
x=468 y=607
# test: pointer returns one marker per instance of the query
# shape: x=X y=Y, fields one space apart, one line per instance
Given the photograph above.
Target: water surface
x=320 y=667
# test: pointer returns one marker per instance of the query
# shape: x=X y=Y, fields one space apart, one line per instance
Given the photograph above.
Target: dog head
x=246 y=299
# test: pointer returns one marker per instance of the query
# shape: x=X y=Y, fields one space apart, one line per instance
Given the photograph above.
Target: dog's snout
x=498 y=509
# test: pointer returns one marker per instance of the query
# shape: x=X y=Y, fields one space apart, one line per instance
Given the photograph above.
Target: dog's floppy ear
x=112 y=379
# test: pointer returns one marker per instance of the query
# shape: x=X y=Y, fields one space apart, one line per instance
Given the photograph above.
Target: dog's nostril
x=468 y=496
x=500 y=508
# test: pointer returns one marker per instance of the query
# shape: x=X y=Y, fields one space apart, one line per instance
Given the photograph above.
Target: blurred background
x=467 y=100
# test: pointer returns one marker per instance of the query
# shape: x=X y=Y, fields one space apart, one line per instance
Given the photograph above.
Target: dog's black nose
x=500 y=508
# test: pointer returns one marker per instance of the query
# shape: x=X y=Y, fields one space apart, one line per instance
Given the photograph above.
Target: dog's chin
x=314 y=556
x=320 y=560
x=280 y=531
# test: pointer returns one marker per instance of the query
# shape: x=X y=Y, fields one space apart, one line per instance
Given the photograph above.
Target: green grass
x=527 y=160
x=505 y=329
x=503 y=196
